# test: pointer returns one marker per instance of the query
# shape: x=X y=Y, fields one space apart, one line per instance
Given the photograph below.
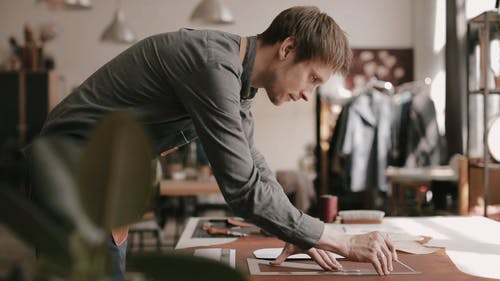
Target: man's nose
x=306 y=94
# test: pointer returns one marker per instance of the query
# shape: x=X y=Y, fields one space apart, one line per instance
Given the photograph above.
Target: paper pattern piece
x=394 y=233
x=403 y=242
x=272 y=253
x=254 y=265
x=413 y=247
x=403 y=237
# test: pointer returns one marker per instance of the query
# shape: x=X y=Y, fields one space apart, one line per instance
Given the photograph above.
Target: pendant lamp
x=212 y=11
x=78 y=4
x=68 y=4
x=118 y=31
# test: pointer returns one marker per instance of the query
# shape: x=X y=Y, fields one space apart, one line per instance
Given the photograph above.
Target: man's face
x=289 y=80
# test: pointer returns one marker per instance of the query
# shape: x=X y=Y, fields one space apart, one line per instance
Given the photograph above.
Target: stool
x=142 y=229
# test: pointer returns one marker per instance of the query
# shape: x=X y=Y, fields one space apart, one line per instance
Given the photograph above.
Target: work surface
x=472 y=248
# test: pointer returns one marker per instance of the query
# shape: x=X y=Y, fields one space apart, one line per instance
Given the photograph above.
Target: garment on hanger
x=415 y=134
x=378 y=129
x=362 y=141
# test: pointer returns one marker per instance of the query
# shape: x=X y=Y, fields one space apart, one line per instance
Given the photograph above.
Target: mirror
x=493 y=138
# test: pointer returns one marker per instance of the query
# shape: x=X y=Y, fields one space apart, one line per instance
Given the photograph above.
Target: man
x=201 y=83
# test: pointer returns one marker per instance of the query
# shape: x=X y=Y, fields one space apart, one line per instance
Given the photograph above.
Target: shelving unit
x=483 y=67
x=27 y=97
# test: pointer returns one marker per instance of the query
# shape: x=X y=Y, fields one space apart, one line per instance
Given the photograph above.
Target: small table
x=185 y=191
x=406 y=178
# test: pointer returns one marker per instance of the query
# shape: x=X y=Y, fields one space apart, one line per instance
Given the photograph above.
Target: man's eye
x=315 y=78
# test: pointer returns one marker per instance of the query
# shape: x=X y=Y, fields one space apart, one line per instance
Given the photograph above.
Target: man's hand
x=375 y=248
x=372 y=247
x=324 y=258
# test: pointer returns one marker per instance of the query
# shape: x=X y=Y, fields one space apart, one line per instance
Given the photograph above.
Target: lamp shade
x=118 y=31
x=212 y=11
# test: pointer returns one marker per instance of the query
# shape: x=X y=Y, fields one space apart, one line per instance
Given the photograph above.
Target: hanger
x=416 y=87
x=382 y=86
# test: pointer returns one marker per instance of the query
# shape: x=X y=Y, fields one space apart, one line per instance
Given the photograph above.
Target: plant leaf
x=54 y=161
x=182 y=267
x=116 y=175
x=25 y=219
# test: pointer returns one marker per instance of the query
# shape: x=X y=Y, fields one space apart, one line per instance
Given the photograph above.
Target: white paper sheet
x=472 y=243
x=186 y=240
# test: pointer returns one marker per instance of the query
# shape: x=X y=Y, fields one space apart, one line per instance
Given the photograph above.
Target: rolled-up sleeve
x=225 y=128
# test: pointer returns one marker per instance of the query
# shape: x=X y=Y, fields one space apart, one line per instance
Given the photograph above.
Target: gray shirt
x=187 y=83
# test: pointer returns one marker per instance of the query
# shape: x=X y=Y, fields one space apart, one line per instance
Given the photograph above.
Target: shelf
x=491 y=16
x=491 y=91
x=480 y=165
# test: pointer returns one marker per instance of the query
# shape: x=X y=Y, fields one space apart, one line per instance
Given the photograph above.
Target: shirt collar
x=248 y=92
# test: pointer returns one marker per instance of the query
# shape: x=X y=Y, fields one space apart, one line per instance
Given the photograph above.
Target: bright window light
x=440 y=26
x=438 y=88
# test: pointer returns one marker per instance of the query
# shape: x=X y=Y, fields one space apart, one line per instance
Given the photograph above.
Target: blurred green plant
x=83 y=191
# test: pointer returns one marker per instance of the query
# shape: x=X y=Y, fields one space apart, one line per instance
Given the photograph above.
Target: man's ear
x=286 y=47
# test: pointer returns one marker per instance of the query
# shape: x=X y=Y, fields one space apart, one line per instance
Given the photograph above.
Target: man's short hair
x=316 y=35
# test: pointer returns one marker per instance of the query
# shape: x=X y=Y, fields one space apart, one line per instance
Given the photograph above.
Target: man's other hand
x=324 y=258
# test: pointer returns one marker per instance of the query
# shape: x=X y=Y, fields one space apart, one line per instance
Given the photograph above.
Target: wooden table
x=435 y=266
x=188 y=187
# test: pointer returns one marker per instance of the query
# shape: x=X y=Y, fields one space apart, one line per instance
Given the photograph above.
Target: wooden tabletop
x=435 y=266
x=188 y=187
x=439 y=173
x=472 y=243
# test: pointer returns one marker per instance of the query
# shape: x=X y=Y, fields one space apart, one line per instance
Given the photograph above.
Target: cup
x=328 y=207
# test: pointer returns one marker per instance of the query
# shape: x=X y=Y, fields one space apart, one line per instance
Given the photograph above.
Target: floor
x=14 y=254
x=169 y=234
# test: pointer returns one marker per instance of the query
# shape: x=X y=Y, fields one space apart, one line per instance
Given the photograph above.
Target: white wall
x=429 y=50
x=281 y=133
